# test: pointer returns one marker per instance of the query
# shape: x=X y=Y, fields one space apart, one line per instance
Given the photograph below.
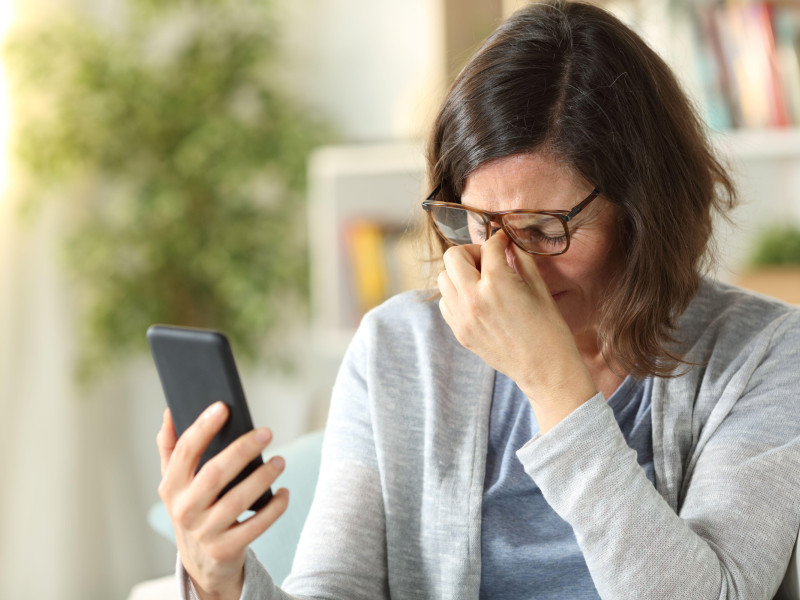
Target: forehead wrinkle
x=522 y=177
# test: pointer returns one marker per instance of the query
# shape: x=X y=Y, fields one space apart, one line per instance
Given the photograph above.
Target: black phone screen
x=196 y=368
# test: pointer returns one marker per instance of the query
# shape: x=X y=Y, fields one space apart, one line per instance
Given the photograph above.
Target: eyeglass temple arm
x=435 y=191
x=571 y=214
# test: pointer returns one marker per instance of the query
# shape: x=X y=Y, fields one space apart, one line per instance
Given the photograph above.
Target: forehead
x=535 y=181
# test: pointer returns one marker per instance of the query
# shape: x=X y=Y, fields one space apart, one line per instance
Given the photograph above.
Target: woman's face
x=577 y=279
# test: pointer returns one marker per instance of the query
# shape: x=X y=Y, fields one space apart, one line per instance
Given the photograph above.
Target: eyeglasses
x=539 y=232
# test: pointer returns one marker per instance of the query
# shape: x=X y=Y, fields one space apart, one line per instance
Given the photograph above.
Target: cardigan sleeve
x=733 y=534
x=342 y=549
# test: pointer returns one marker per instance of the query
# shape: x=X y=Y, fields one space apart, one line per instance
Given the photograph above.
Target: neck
x=605 y=379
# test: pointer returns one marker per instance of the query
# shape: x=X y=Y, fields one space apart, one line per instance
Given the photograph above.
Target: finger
x=446 y=287
x=449 y=297
x=444 y=308
x=493 y=254
x=461 y=266
x=527 y=268
x=225 y=466
x=247 y=531
x=474 y=252
x=165 y=440
x=190 y=446
x=241 y=497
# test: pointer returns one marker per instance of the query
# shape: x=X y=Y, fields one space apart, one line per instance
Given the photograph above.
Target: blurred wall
x=372 y=67
x=79 y=467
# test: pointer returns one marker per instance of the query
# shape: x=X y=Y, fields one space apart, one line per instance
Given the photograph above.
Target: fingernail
x=277 y=462
x=263 y=435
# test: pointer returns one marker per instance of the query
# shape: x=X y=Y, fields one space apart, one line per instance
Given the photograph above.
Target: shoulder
x=730 y=318
x=414 y=313
x=407 y=324
x=406 y=306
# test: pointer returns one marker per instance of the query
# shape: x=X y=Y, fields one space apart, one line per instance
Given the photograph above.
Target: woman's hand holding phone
x=211 y=540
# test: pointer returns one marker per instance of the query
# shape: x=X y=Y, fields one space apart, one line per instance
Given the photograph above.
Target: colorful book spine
x=749 y=63
x=365 y=249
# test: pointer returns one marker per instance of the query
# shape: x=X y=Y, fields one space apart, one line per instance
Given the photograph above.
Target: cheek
x=585 y=268
x=564 y=268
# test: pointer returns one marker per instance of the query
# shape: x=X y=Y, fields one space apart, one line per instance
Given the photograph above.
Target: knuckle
x=234 y=501
x=206 y=539
x=246 y=448
x=181 y=512
x=462 y=335
x=163 y=492
x=220 y=553
x=182 y=450
x=473 y=302
x=211 y=474
x=241 y=497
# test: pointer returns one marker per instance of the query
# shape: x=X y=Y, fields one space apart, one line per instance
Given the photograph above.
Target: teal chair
x=790 y=588
x=275 y=548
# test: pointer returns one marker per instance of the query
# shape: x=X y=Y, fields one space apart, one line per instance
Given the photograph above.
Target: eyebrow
x=592 y=195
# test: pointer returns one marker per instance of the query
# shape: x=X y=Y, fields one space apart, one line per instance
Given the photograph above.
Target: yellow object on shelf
x=365 y=246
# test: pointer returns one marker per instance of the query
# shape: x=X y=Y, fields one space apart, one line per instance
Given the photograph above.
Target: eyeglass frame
x=564 y=216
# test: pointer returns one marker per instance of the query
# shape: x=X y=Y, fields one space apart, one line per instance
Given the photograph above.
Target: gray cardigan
x=397 y=512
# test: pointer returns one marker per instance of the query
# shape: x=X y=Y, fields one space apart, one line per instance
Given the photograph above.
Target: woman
x=581 y=414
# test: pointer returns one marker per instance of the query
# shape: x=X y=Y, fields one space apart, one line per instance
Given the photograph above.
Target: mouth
x=557 y=295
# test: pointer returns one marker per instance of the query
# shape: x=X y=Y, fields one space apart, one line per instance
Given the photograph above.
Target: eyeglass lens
x=543 y=234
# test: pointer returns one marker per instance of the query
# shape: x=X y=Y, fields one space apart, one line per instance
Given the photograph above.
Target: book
x=364 y=242
x=748 y=61
x=786 y=24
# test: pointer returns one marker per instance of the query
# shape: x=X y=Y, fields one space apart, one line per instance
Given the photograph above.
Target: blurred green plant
x=777 y=246
x=183 y=163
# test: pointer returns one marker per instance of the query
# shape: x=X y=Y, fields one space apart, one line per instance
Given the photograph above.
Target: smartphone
x=197 y=369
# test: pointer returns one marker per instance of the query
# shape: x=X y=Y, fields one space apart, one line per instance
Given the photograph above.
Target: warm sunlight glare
x=5 y=109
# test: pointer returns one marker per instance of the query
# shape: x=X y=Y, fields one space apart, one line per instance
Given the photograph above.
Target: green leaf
x=190 y=164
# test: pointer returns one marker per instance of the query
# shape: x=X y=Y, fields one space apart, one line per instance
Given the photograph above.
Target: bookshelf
x=363 y=203
x=739 y=60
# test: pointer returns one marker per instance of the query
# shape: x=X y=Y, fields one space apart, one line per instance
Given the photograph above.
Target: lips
x=557 y=295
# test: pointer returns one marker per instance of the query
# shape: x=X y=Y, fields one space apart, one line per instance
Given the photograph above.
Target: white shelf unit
x=766 y=167
x=760 y=144
x=378 y=182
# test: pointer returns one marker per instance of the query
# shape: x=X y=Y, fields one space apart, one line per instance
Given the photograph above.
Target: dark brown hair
x=571 y=80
